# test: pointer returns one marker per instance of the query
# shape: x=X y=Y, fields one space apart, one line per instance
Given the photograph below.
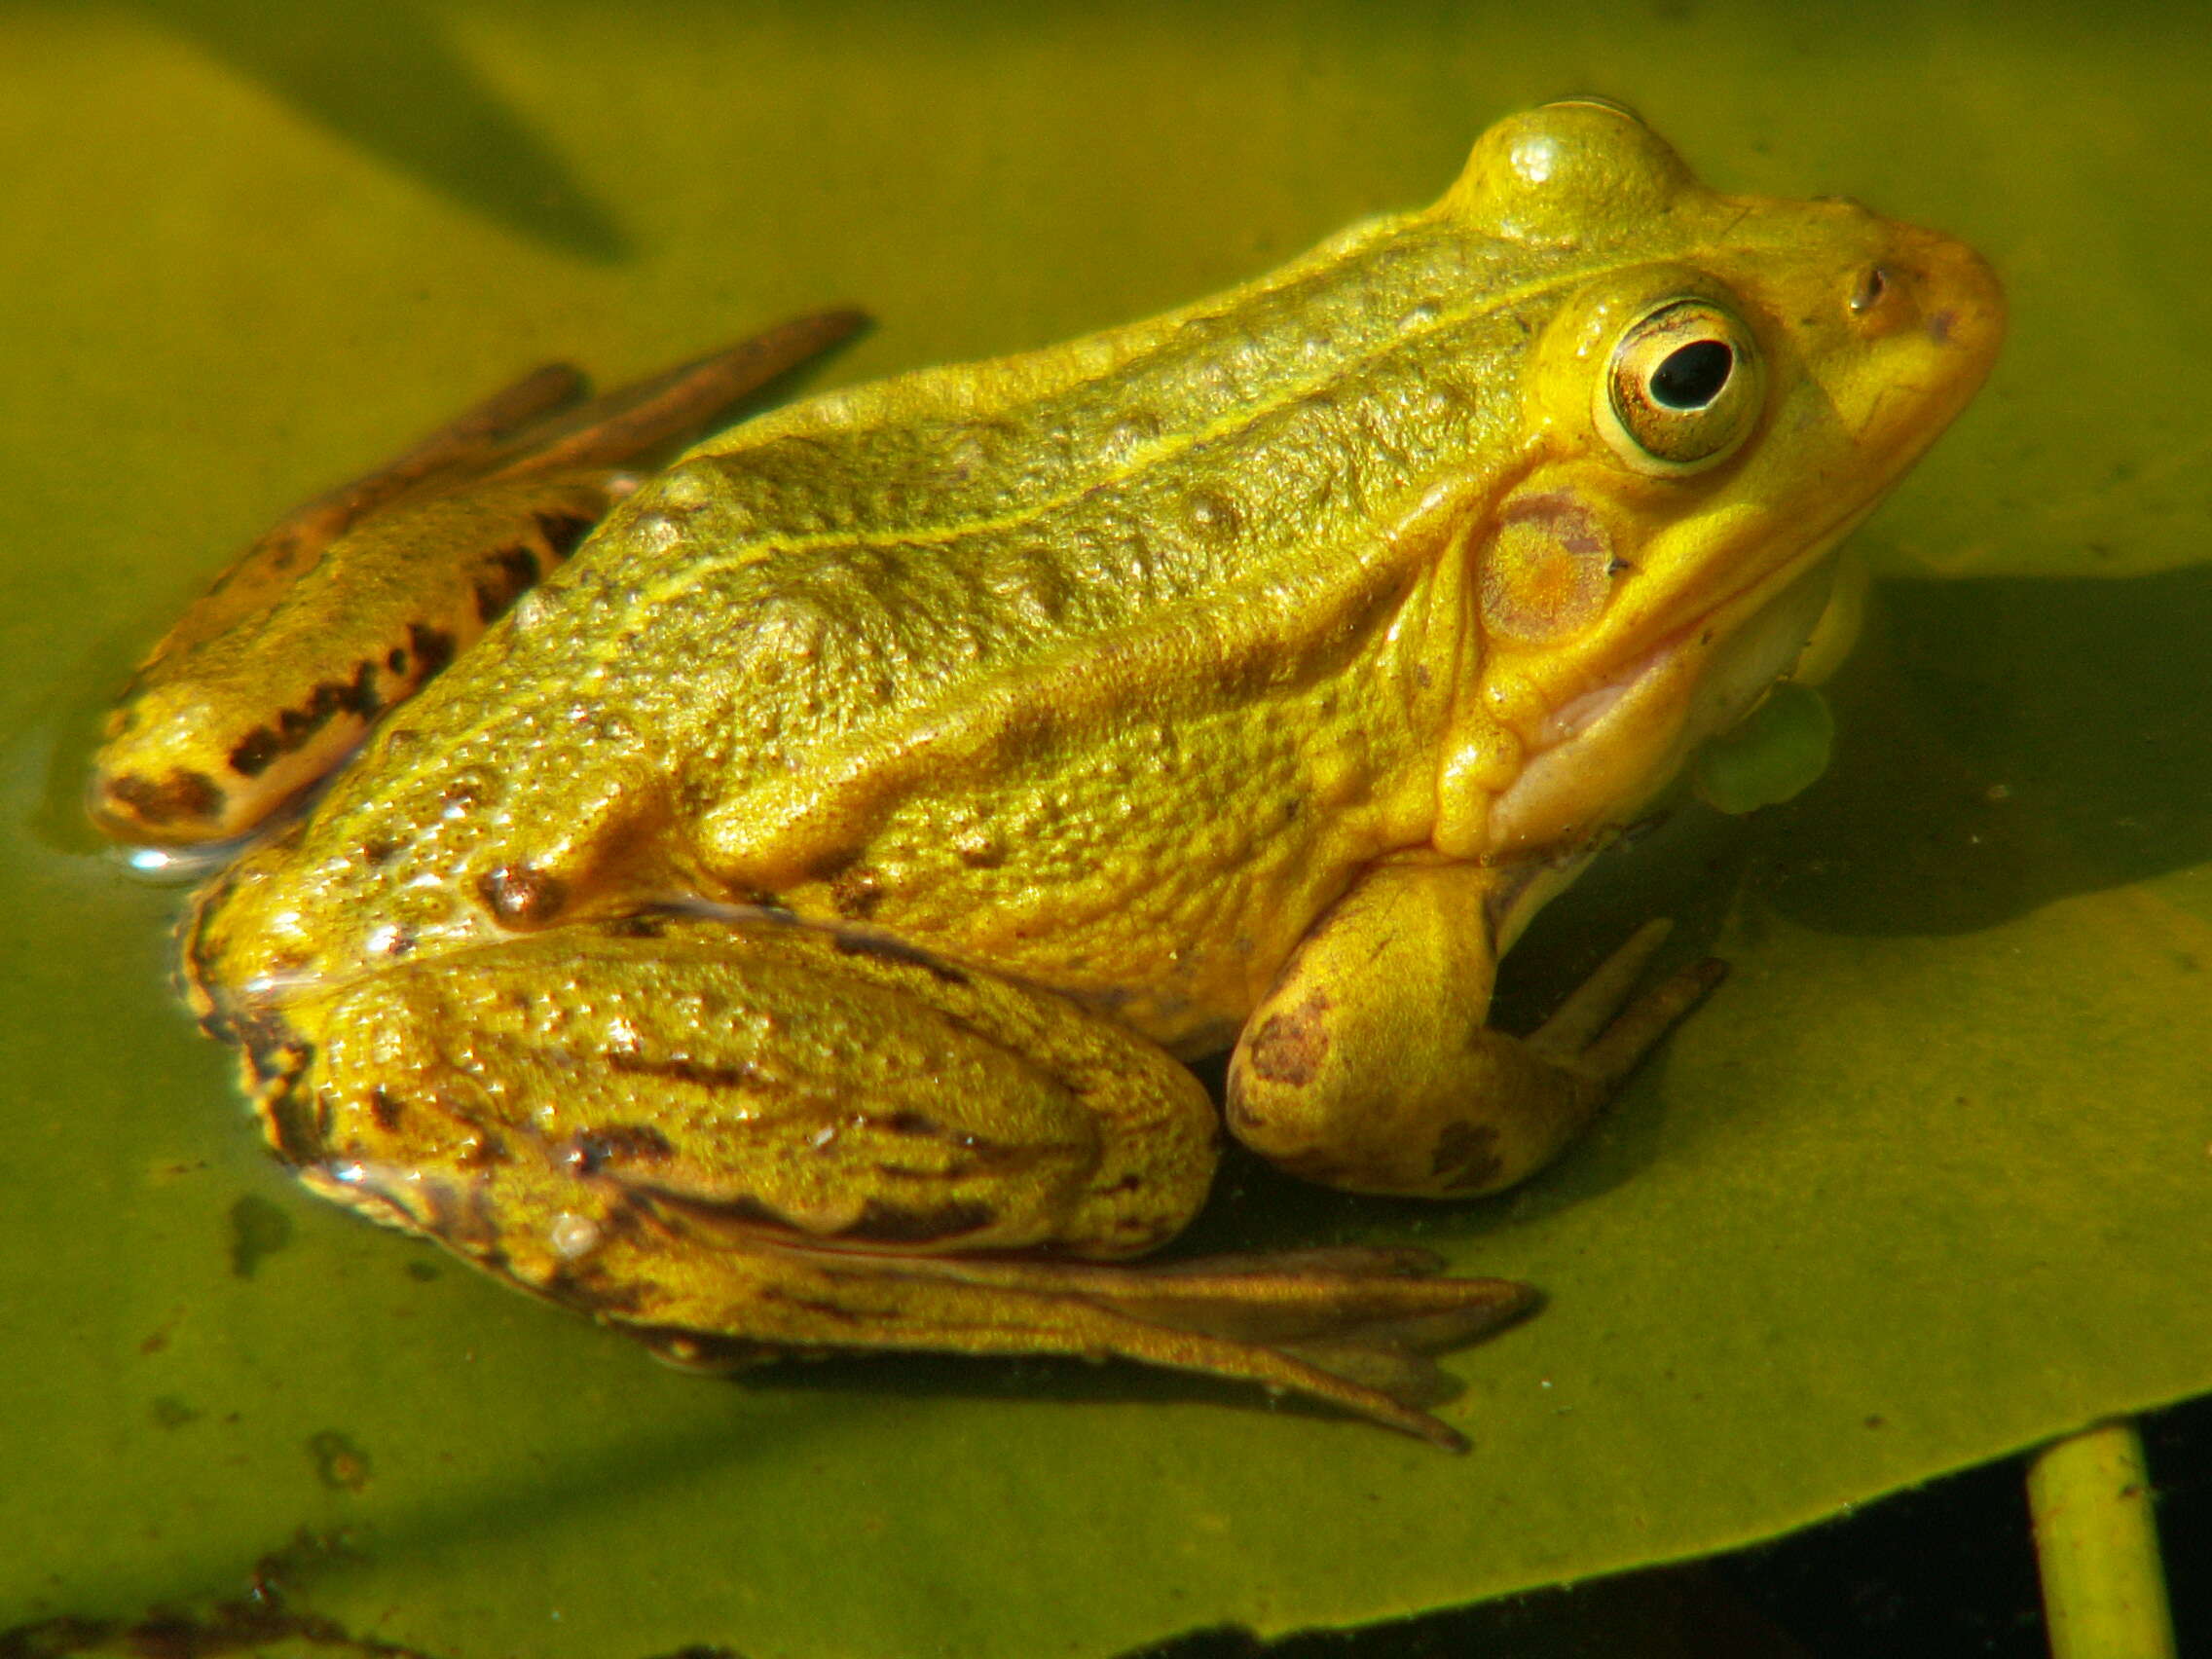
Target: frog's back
x=1237 y=465
x=1124 y=556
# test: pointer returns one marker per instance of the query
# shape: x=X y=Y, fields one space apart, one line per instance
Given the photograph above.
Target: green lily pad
x=1924 y=1182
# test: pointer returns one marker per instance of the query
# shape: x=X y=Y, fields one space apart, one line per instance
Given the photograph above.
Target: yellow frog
x=778 y=930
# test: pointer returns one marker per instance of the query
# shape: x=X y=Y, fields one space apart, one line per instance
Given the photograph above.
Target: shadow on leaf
x=383 y=75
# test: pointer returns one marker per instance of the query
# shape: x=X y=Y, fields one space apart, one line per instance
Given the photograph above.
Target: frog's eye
x=1683 y=389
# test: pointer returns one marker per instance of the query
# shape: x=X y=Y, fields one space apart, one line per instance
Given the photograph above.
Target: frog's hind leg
x=1354 y=1327
x=647 y=417
x=354 y=598
x=759 y=1136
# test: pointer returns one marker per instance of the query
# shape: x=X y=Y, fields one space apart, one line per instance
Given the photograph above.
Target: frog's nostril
x=1873 y=283
x=1886 y=298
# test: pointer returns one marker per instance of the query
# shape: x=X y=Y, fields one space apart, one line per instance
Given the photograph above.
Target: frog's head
x=1726 y=386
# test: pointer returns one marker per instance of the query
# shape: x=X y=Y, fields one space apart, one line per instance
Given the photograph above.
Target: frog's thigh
x=733 y=1139
x=764 y=1075
x=1370 y=1065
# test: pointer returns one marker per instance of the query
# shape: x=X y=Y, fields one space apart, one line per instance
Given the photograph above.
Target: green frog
x=779 y=927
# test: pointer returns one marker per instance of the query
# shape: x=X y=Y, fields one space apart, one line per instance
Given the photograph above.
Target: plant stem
x=2104 y=1590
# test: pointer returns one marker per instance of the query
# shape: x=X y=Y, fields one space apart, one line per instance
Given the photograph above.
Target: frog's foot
x=1369 y=1066
x=777 y=1137
x=1598 y=1032
x=1354 y=1328
x=355 y=600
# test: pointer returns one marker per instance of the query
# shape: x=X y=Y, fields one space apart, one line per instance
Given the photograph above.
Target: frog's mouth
x=1735 y=646
x=1601 y=752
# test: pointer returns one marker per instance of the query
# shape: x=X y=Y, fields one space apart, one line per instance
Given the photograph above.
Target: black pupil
x=1691 y=376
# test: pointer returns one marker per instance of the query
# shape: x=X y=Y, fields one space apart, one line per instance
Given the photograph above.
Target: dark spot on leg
x=377 y=852
x=746 y=1076
x=521 y=895
x=512 y=572
x=562 y=530
x=395 y=659
x=482 y=1151
x=182 y=796
x=1289 y=1046
x=254 y=753
x=885 y=1223
x=289 y=1123
x=355 y=696
x=592 y=1151
x=519 y=564
x=432 y=648
x=906 y=1123
x=384 y=1109
x=743 y=1207
x=251 y=755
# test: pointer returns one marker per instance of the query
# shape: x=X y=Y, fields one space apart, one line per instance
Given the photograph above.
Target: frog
x=784 y=926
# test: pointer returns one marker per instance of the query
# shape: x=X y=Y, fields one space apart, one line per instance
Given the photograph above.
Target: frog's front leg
x=356 y=598
x=1371 y=1066
x=755 y=1135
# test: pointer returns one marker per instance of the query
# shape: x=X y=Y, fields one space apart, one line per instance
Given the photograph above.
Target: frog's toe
x=1365 y=1322
x=1600 y=1032
x=1354 y=1328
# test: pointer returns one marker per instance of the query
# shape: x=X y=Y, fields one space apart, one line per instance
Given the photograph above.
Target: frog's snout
x=1935 y=286
x=1924 y=316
